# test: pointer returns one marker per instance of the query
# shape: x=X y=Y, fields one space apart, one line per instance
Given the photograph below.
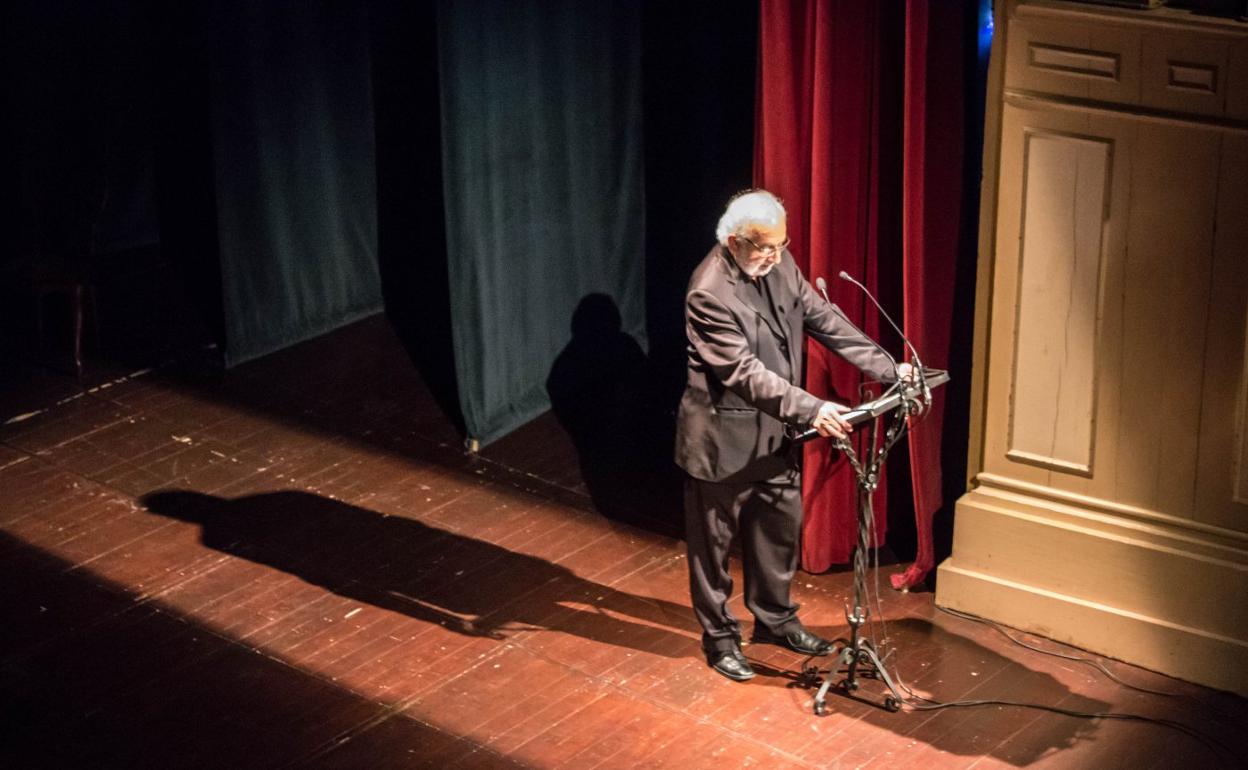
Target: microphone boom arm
x=918 y=362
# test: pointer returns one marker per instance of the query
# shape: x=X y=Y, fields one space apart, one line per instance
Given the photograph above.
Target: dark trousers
x=768 y=517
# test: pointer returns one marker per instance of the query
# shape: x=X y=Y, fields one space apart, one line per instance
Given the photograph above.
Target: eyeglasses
x=769 y=250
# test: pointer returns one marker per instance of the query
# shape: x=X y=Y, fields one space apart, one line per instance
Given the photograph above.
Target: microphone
x=822 y=285
x=861 y=413
x=927 y=392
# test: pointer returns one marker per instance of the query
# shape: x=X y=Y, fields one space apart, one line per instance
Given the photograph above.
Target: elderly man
x=746 y=310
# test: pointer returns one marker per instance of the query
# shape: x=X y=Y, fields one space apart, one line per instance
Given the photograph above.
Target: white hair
x=754 y=207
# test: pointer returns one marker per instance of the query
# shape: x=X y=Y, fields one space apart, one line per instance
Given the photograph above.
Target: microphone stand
x=856 y=656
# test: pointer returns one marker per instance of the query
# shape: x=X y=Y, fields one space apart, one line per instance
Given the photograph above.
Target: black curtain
x=293 y=147
x=492 y=156
x=542 y=169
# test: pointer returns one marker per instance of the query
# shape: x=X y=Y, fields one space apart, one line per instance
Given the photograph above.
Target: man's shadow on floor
x=466 y=585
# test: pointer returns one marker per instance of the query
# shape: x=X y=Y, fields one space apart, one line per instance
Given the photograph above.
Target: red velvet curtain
x=824 y=131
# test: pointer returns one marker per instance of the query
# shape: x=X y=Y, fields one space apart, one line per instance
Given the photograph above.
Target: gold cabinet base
x=1151 y=593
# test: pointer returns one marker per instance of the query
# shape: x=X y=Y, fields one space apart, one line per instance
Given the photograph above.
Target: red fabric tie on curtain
x=931 y=205
x=819 y=147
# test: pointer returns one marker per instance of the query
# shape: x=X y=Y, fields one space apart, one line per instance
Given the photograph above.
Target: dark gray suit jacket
x=732 y=415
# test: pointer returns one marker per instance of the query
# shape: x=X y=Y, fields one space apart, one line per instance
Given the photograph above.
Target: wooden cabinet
x=1111 y=508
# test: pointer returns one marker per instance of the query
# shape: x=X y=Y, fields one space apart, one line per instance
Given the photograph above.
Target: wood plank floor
x=294 y=564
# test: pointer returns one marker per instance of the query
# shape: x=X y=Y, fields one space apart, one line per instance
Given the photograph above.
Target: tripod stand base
x=854 y=660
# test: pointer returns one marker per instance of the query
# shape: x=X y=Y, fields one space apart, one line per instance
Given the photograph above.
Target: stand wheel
x=821 y=708
x=892 y=704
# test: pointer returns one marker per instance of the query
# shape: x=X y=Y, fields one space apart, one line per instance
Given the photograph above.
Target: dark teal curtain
x=542 y=169
x=293 y=148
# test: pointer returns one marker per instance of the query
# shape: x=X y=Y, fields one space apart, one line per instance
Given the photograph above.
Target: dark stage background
x=302 y=164
x=522 y=187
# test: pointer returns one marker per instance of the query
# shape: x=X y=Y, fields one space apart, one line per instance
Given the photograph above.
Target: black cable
x=1055 y=653
x=1211 y=743
x=902 y=430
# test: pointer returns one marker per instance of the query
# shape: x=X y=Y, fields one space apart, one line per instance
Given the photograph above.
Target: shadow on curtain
x=542 y=164
x=599 y=389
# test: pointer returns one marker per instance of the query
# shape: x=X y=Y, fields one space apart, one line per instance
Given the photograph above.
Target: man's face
x=758 y=249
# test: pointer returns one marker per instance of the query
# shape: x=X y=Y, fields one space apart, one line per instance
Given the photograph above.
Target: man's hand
x=829 y=421
x=907 y=373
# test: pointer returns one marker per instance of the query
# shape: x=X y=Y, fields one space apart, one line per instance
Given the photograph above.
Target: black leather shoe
x=731 y=664
x=800 y=640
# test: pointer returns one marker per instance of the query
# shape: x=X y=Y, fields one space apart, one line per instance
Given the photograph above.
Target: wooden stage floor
x=295 y=564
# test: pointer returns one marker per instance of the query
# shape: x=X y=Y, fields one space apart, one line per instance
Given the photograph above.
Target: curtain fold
x=542 y=170
x=296 y=195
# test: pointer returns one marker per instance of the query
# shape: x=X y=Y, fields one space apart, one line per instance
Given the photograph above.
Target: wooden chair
x=42 y=275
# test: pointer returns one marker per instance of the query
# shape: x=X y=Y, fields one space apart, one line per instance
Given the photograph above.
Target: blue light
x=985 y=28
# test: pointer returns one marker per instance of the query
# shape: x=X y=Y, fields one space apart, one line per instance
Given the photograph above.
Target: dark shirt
x=761 y=297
